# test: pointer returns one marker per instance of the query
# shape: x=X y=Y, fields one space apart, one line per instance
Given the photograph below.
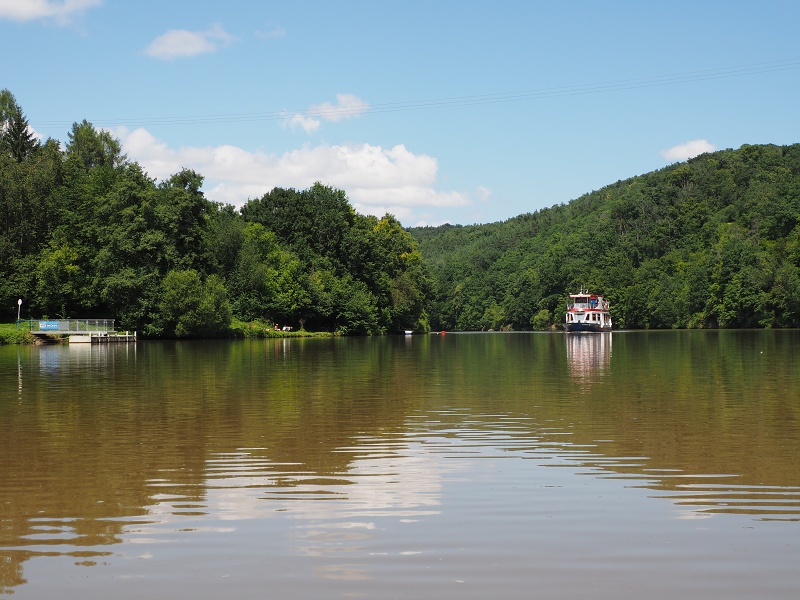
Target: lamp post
x=19 y=308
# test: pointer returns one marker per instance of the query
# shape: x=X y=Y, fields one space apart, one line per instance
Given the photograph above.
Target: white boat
x=587 y=312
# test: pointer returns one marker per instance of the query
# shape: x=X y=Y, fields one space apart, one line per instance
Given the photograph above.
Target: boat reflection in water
x=588 y=355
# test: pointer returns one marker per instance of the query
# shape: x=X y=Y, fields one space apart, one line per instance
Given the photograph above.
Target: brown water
x=624 y=465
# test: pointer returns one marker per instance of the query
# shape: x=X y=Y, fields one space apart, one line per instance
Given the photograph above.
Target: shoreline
x=10 y=334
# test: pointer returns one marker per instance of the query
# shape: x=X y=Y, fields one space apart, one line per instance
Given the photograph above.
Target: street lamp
x=19 y=308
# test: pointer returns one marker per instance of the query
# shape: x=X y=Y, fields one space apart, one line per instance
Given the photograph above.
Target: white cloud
x=376 y=179
x=688 y=150
x=29 y=10
x=272 y=33
x=180 y=43
x=348 y=106
x=307 y=124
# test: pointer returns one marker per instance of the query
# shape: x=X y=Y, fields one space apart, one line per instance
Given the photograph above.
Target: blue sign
x=48 y=325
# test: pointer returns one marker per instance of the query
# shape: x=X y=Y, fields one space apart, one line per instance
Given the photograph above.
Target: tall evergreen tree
x=17 y=139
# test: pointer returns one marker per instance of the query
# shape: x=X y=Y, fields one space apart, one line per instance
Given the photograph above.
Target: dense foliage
x=84 y=232
x=713 y=242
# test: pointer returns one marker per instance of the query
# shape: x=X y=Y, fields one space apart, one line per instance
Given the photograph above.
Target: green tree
x=29 y=177
x=312 y=223
x=130 y=249
x=542 y=320
x=8 y=105
x=184 y=214
x=493 y=318
x=90 y=147
x=355 y=309
x=399 y=276
x=190 y=307
x=255 y=281
x=59 y=280
x=16 y=137
x=224 y=237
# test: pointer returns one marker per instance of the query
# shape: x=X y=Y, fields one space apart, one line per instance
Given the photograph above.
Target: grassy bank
x=9 y=334
x=259 y=329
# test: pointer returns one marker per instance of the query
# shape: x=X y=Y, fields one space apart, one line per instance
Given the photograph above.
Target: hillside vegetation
x=713 y=242
x=85 y=232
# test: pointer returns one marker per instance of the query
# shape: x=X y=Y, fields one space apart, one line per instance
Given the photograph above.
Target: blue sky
x=436 y=111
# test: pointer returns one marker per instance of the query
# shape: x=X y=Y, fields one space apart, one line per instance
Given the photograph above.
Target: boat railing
x=602 y=304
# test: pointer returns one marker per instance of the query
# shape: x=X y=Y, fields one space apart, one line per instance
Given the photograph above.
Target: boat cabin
x=587 y=301
x=587 y=312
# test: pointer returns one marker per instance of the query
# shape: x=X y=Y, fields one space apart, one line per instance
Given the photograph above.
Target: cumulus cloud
x=377 y=180
x=688 y=150
x=30 y=10
x=180 y=43
x=347 y=106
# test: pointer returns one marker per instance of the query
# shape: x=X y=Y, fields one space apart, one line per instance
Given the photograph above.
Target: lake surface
x=471 y=466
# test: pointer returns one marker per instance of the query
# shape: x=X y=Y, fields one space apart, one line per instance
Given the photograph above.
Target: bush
x=542 y=320
x=10 y=334
x=193 y=308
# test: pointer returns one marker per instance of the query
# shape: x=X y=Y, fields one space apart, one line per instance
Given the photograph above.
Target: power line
x=341 y=112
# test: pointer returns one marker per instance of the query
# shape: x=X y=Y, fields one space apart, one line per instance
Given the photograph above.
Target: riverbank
x=259 y=329
x=11 y=334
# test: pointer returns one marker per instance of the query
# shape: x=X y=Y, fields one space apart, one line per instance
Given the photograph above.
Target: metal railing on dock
x=70 y=326
x=81 y=330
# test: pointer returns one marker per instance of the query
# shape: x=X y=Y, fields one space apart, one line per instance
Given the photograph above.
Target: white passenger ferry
x=587 y=312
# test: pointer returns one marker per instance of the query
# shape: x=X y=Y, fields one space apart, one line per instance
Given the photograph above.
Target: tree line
x=85 y=232
x=712 y=242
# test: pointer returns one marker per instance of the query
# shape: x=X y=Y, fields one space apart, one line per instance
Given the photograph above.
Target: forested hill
x=713 y=242
x=85 y=232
